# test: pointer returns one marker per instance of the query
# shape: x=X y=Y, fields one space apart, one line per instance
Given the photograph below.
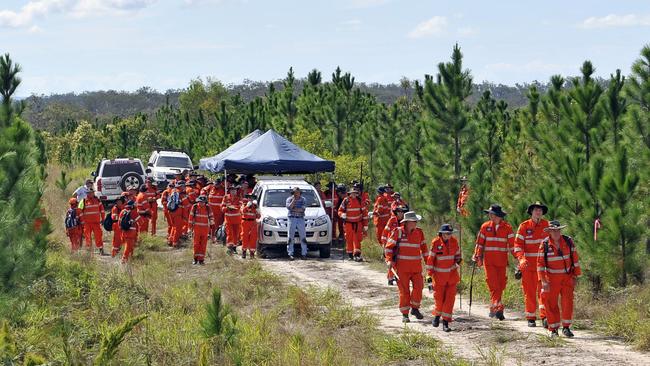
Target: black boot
x=291 y=258
x=194 y=262
x=243 y=254
x=554 y=333
x=357 y=258
x=491 y=314
x=544 y=323
x=445 y=326
x=416 y=312
x=350 y=256
x=252 y=255
x=531 y=323
x=436 y=321
x=101 y=251
x=201 y=262
x=499 y=315
x=391 y=282
x=405 y=318
x=566 y=331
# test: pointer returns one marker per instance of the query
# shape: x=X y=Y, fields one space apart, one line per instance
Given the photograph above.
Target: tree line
x=579 y=144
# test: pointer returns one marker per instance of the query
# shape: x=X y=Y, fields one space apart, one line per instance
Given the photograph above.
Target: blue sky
x=77 y=45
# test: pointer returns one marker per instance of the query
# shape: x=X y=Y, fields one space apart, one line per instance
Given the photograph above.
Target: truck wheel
x=324 y=250
x=131 y=181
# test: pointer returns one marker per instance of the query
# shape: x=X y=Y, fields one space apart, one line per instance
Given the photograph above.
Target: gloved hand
x=545 y=286
x=365 y=229
x=429 y=279
x=523 y=263
x=459 y=261
x=478 y=260
x=344 y=216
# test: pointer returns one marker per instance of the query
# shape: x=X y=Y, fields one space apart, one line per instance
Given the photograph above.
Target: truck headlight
x=322 y=220
x=270 y=221
x=160 y=175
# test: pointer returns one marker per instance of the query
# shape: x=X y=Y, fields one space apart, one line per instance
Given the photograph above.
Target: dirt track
x=477 y=338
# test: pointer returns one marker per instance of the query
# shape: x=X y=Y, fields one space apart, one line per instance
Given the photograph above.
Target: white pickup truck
x=272 y=194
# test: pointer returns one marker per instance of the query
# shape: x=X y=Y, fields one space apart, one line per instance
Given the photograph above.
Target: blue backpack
x=173 y=202
x=71 y=219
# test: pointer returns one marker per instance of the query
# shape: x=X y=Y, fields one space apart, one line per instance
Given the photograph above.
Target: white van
x=272 y=194
x=165 y=164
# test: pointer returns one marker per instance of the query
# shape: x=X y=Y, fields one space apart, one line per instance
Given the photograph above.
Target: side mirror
x=148 y=171
x=328 y=204
x=93 y=174
x=195 y=167
x=150 y=165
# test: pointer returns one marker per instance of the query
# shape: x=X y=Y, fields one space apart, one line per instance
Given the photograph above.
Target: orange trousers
x=93 y=229
x=117 y=239
x=379 y=228
x=177 y=227
x=496 y=280
x=200 y=241
x=409 y=298
x=249 y=235
x=353 y=237
x=532 y=287
x=444 y=295
x=168 y=218
x=154 y=220
x=233 y=230
x=561 y=286
x=75 y=234
x=143 y=224
x=129 y=245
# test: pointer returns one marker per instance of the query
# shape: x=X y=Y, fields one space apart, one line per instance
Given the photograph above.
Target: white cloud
x=351 y=25
x=36 y=9
x=35 y=29
x=615 y=20
x=467 y=31
x=432 y=27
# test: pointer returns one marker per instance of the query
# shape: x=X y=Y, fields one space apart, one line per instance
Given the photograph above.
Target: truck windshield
x=174 y=162
x=278 y=198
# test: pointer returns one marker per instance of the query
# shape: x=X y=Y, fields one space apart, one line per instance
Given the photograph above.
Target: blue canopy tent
x=269 y=153
x=206 y=163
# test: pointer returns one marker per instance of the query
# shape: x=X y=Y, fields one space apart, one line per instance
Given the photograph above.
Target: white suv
x=272 y=194
x=165 y=164
x=114 y=176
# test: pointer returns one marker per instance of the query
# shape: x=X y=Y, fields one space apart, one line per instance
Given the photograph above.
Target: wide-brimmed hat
x=446 y=229
x=554 y=225
x=202 y=198
x=341 y=187
x=180 y=183
x=396 y=194
x=497 y=210
x=381 y=190
x=353 y=190
x=463 y=178
x=400 y=208
x=532 y=206
x=388 y=185
x=411 y=216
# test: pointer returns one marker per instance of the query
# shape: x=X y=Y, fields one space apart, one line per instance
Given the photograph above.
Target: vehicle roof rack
x=159 y=149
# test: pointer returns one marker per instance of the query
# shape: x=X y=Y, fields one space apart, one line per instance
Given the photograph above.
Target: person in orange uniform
x=338 y=226
x=392 y=224
x=92 y=216
x=178 y=216
x=380 y=213
x=355 y=215
x=398 y=201
x=117 y=231
x=231 y=208
x=130 y=236
x=164 y=196
x=250 y=216
x=530 y=235
x=388 y=193
x=442 y=270
x=200 y=220
x=405 y=251
x=493 y=242
x=142 y=205
x=75 y=231
x=190 y=191
x=558 y=269
x=152 y=199
x=215 y=199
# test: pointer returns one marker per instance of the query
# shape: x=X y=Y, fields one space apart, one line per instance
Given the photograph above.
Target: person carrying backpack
x=200 y=221
x=558 y=269
x=117 y=231
x=128 y=221
x=175 y=206
x=73 y=228
x=92 y=216
x=164 y=197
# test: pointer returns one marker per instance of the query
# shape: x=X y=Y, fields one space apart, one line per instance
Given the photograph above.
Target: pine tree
x=615 y=106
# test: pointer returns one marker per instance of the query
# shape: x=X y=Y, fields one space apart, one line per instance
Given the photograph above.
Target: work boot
x=101 y=251
x=491 y=314
x=436 y=321
x=234 y=250
x=554 y=334
x=405 y=318
x=302 y=257
x=499 y=315
x=445 y=326
x=532 y=324
x=416 y=312
x=567 y=332
x=544 y=323
x=291 y=257
x=243 y=254
x=391 y=282
x=194 y=262
x=350 y=256
x=357 y=258
x=252 y=255
x=201 y=262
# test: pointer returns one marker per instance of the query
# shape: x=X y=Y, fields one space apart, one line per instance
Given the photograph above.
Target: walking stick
x=471 y=288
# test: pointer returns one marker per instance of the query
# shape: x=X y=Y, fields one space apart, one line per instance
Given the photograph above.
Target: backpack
x=173 y=202
x=108 y=222
x=570 y=244
x=71 y=219
x=126 y=222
